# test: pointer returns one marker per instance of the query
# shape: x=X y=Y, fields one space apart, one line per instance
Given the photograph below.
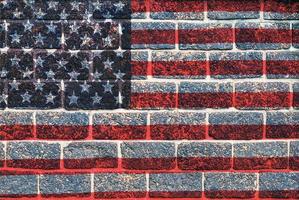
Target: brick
x=112 y=65
x=16 y=10
x=206 y=36
x=282 y=65
x=181 y=65
x=236 y=125
x=41 y=95
x=18 y=186
x=236 y=9
x=204 y=156
x=2 y=34
x=2 y=155
x=230 y=185
x=294 y=155
x=34 y=35
x=148 y=35
x=16 y=64
x=260 y=155
x=61 y=10
x=205 y=95
x=115 y=9
x=91 y=35
x=264 y=36
x=139 y=64
x=282 y=125
x=33 y=155
x=175 y=9
x=63 y=185
x=296 y=95
x=96 y=95
x=119 y=126
x=279 y=185
x=119 y=185
x=295 y=34
x=63 y=65
x=149 y=155
x=87 y=155
x=62 y=125
x=281 y=10
x=262 y=95
x=16 y=125
x=3 y=95
x=177 y=125
x=174 y=185
x=236 y=65
x=154 y=95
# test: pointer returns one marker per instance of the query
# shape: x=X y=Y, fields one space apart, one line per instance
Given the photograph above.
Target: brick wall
x=149 y=98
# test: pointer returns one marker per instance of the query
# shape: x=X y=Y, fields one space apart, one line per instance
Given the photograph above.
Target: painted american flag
x=149 y=99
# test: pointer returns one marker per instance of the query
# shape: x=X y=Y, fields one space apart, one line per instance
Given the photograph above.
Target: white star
x=74 y=75
x=75 y=6
x=3 y=98
x=97 y=29
x=96 y=99
x=3 y=73
x=17 y=13
x=119 y=75
x=50 y=75
x=120 y=54
x=61 y=63
x=28 y=26
x=63 y=15
x=97 y=5
x=73 y=99
x=14 y=85
x=39 y=86
x=40 y=14
x=108 y=64
x=107 y=14
x=85 y=40
x=107 y=41
x=27 y=73
x=26 y=97
x=15 y=61
x=51 y=28
x=119 y=6
x=39 y=39
x=52 y=5
x=85 y=87
x=40 y=62
x=85 y=64
x=74 y=28
x=119 y=99
x=97 y=75
x=50 y=98
x=15 y=37
x=108 y=87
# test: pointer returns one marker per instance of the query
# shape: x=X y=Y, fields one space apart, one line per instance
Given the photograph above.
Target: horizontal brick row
x=159 y=9
x=148 y=35
x=165 y=125
x=165 y=185
x=152 y=155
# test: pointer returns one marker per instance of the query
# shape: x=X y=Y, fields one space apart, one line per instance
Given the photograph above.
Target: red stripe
x=296 y=99
x=18 y=196
x=178 y=194
x=206 y=35
x=282 y=131
x=204 y=163
x=124 y=132
x=205 y=100
x=234 y=5
x=294 y=163
x=153 y=100
x=281 y=6
x=283 y=67
x=16 y=132
x=45 y=164
x=260 y=163
x=262 y=99
x=236 y=67
x=65 y=132
x=88 y=163
x=235 y=132
x=177 y=132
x=229 y=194
x=289 y=194
x=139 y=68
x=177 y=6
x=148 y=163
x=88 y=194
x=153 y=36
x=296 y=36
x=260 y=35
x=120 y=194
x=138 y=6
x=179 y=68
